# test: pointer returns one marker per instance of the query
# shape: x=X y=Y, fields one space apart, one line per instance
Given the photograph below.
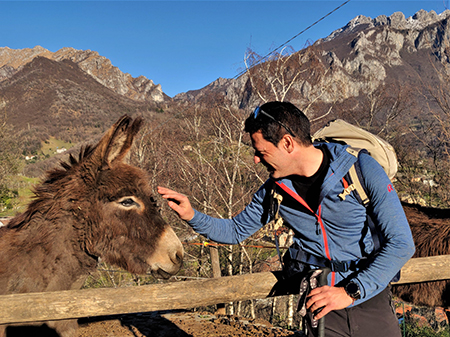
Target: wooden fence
x=33 y=307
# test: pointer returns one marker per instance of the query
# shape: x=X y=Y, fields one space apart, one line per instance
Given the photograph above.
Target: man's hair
x=284 y=115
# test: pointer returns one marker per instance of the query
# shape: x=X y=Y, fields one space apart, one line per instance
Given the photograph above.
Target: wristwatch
x=352 y=290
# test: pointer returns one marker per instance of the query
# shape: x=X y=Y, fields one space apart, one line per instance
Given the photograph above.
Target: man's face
x=274 y=158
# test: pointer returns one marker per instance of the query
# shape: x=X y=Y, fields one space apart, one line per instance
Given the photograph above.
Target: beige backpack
x=358 y=139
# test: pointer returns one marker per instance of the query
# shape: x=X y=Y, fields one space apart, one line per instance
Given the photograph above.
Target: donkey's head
x=114 y=205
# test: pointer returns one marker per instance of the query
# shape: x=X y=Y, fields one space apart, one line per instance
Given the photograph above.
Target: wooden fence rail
x=33 y=307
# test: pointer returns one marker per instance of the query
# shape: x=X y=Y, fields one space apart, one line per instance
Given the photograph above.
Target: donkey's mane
x=58 y=173
x=42 y=191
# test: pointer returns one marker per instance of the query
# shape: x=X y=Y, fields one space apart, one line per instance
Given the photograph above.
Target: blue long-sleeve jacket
x=337 y=230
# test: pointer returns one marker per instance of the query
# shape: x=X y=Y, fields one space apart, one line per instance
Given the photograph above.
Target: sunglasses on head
x=259 y=111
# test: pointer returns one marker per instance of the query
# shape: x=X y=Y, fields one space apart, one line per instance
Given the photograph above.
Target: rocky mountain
x=417 y=22
x=57 y=98
x=365 y=56
x=99 y=67
x=368 y=72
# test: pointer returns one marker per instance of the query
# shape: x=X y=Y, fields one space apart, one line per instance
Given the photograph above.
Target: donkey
x=431 y=231
x=93 y=207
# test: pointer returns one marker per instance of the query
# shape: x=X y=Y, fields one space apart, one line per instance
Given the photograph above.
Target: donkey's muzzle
x=168 y=256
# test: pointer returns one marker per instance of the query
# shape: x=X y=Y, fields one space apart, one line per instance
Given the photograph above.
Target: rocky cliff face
x=419 y=21
x=357 y=60
x=99 y=67
x=368 y=52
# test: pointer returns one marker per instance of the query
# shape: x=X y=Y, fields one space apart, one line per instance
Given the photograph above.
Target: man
x=356 y=300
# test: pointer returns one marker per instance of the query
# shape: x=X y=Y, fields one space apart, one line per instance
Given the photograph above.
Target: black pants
x=372 y=318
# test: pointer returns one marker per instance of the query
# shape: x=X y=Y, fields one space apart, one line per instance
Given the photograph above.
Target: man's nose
x=256 y=159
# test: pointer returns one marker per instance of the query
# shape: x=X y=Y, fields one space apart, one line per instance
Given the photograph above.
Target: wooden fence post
x=215 y=265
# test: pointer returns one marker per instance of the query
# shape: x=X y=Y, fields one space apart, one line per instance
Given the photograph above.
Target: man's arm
x=397 y=245
x=229 y=231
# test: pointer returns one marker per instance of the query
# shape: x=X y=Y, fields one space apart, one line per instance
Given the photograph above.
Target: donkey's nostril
x=178 y=258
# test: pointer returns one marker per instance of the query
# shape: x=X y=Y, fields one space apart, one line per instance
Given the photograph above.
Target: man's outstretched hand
x=178 y=202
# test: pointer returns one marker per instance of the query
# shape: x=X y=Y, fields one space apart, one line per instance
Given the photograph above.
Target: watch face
x=352 y=290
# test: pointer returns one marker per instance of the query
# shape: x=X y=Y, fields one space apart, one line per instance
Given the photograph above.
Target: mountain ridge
x=356 y=60
x=97 y=66
x=397 y=20
x=57 y=98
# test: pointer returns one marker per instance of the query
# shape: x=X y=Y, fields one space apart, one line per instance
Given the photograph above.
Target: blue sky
x=182 y=45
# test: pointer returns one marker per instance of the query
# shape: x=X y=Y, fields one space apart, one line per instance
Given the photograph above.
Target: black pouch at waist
x=292 y=266
x=297 y=260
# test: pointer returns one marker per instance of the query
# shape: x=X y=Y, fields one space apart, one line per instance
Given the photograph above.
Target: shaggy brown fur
x=431 y=231
x=96 y=206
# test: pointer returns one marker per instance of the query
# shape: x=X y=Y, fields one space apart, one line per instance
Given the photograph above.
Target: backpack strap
x=355 y=182
x=276 y=221
x=355 y=177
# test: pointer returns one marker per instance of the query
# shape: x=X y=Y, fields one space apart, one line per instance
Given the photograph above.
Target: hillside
x=99 y=67
x=62 y=99
x=389 y=75
x=395 y=55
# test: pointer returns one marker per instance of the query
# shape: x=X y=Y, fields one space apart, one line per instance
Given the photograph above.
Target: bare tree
x=300 y=77
x=383 y=110
x=217 y=165
x=274 y=78
x=432 y=135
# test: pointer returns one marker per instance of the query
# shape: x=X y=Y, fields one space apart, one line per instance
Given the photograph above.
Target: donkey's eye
x=128 y=202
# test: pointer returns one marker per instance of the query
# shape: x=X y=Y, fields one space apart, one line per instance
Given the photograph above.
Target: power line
x=294 y=37
x=260 y=60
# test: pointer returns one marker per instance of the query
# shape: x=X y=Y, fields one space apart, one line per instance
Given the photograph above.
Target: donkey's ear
x=117 y=141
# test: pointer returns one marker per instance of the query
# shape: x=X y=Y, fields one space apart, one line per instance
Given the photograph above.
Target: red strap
x=318 y=216
x=295 y=196
x=345 y=182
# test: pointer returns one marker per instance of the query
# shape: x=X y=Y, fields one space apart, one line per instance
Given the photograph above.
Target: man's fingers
x=163 y=190
x=166 y=193
x=178 y=202
x=171 y=195
x=319 y=306
x=327 y=298
x=315 y=302
x=322 y=313
x=175 y=206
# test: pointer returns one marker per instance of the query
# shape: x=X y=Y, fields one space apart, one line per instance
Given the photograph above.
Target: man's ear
x=288 y=143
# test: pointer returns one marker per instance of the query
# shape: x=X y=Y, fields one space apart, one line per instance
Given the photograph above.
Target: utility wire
x=263 y=58
x=294 y=37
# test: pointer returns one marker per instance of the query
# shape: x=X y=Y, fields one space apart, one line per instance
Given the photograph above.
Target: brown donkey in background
x=95 y=207
x=431 y=232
